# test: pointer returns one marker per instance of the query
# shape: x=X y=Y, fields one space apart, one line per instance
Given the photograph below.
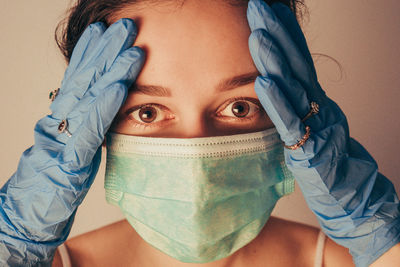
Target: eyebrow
x=223 y=86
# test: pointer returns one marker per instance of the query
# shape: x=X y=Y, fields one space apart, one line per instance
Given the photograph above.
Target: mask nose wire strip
x=194 y=147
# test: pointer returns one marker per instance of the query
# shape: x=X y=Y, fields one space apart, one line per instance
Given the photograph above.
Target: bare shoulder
x=57 y=260
x=336 y=255
x=96 y=247
x=300 y=240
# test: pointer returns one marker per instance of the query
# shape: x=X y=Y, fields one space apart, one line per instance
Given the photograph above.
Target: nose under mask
x=198 y=199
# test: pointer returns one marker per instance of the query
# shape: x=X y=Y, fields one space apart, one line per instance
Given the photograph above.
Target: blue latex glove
x=39 y=201
x=355 y=205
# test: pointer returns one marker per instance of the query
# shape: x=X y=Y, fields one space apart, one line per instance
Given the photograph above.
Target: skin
x=192 y=58
x=191 y=50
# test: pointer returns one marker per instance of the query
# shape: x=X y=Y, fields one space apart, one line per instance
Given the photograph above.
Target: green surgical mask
x=198 y=199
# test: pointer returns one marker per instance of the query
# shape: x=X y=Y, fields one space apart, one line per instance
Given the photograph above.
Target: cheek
x=118 y=125
x=261 y=123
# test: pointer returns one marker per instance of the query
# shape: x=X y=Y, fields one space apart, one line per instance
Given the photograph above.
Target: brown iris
x=240 y=109
x=148 y=114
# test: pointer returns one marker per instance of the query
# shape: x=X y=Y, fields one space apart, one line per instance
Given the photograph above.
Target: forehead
x=194 y=44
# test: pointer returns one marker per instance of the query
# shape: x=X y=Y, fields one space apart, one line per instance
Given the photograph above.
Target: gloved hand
x=39 y=201
x=355 y=205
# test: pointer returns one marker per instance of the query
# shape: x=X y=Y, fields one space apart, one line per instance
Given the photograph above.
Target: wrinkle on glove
x=356 y=206
x=39 y=202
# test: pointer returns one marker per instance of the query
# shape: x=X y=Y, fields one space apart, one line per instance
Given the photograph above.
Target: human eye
x=237 y=109
x=148 y=115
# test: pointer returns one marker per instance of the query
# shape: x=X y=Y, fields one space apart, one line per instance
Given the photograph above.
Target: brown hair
x=86 y=12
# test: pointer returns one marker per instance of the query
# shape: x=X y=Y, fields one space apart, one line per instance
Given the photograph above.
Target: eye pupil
x=148 y=114
x=240 y=109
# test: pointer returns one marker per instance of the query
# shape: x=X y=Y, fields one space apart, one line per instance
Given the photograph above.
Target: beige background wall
x=364 y=36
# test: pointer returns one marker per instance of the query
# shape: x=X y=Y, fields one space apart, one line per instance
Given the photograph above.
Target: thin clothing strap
x=66 y=262
x=319 y=251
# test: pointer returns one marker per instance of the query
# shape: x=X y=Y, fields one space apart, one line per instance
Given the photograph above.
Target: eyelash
x=143 y=125
x=217 y=113
x=236 y=99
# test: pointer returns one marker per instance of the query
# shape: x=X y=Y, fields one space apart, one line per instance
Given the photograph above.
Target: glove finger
x=117 y=38
x=289 y=21
x=270 y=62
x=280 y=111
x=261 y=16
x=93 y=115
x=86 y=44
x=125 y=70
x=89 y=134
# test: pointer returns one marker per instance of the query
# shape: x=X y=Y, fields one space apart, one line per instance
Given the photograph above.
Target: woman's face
x=198 y=79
